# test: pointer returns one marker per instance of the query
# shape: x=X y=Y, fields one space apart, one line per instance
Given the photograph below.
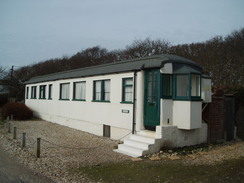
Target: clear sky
x=36 y=30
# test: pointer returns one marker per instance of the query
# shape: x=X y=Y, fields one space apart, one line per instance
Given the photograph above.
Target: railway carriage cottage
x=148 y=102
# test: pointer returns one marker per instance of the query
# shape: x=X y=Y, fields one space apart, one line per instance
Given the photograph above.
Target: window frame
x=188 y=97
x=124 y=86
x=33 y=92
x=50 y=88
x=42 y=92
x=60 y=91
x=27 y=92
x=74 y=91
x=102 y=91
x=163 y=95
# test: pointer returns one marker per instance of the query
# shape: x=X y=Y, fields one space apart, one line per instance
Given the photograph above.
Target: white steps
x=138 y=144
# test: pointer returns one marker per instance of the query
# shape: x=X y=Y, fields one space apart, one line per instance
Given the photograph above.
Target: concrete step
x=135 y=143
x=131 y=150
x=126 y=153
x=142 y=138
x=147 y=133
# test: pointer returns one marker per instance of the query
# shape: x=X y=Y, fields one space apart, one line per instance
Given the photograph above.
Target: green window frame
x=79 y=91
x=50 y=87
x=101 y=91
x=64 y=92
x=27 y=92
x=42 y=92
x=33 y=92
x=167 y=86
x=187 y=87
x=127 y=90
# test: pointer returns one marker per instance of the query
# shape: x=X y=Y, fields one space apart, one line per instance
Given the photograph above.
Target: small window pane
x=127 y=94
x=182 y=86
x=195 y=85
x=167 y=85
x=50 y=91
x=107 y=90
x=64 y=89
x=98 y=90
x=79 y=90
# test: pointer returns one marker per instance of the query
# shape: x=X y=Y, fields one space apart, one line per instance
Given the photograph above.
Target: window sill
x=188 y=99
x=79 y=100
x=64 y=99
x=124 y=102
x=49 y=99
x=42 y=98
x=105 y=101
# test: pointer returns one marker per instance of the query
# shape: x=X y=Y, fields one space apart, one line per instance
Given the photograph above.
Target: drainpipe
x=134 y=104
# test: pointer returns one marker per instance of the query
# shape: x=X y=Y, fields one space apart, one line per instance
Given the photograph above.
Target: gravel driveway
x=62 y=149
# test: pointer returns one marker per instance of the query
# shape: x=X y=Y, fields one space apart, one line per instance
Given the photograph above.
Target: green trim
x=189 y=97
x=105 y=101
x=74 y=90
x=78 y=100
x=50 y=86
x=102 y=91
x=42 y=91
x=42 y=98
x=65 y=99
x=124 y=102
x=124 y=87
x=164 y=85
x=60 y=91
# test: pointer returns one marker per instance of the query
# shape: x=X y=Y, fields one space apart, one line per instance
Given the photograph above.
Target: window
x=79 y=91
x=64 y=91
x=50 y=91
x=127 y=90
x=166 y=86
x=195 y=85
x=101 y=90
x=187 y=87
x=27 y=93
x=42 y=92
x=182 y=86
x=33 y=92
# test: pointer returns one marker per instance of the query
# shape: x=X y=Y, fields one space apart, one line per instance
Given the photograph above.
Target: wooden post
x=23 y=140
x=15 y=130
x=38 y=150
x=9 y=127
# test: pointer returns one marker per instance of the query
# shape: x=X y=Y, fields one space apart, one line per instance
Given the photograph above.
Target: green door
x=152 y=99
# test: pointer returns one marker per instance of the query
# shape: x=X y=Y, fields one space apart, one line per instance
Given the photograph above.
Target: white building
x=148 y=102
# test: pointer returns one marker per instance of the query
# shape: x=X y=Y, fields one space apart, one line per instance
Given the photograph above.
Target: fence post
x=38 y=150
x=9 y=127
x=23 y=140
x=15 y=130
x=11 y=117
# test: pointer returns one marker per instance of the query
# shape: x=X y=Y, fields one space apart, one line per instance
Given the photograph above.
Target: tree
x=143 y=48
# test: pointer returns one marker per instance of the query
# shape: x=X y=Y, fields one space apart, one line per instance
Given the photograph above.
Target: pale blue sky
x=37 y=30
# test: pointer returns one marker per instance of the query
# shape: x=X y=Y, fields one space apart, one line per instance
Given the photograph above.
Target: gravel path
x=63 y=150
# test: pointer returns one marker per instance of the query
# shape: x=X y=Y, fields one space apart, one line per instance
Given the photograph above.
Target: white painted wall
x=87 y=115
x=171 y=135
x=187 y=114
x=166 y=112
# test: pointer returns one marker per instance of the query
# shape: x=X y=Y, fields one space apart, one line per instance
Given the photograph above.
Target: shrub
x=19 y=111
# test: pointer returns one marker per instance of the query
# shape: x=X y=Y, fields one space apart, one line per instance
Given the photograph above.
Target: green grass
x=165 y=171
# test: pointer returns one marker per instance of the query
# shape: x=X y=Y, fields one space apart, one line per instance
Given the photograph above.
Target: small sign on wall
x=125 y=111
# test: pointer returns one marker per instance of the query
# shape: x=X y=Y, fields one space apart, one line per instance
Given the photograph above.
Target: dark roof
x=180 y=65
